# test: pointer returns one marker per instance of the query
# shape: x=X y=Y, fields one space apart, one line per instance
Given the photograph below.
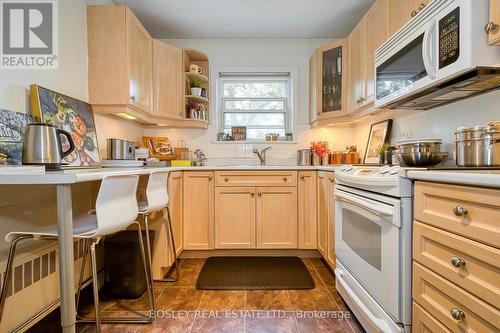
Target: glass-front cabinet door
x=332 y=62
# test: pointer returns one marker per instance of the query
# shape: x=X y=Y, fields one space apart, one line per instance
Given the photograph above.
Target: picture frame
x=380 y=134
x=239 y=133
x=72 y=115
x=159 y=147
x=12 y=127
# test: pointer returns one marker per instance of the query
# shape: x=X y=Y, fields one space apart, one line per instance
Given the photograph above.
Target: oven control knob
x=347 y=168
x=394 y=170
x=384 y=169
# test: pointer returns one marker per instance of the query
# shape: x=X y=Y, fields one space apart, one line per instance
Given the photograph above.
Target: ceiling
x=248 y=18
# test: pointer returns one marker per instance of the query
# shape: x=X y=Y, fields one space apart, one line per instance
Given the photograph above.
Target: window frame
x=259 y=75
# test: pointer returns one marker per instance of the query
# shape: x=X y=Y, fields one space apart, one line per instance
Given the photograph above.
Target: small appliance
x=43 y=146
x=440 y=56
x=118 y=149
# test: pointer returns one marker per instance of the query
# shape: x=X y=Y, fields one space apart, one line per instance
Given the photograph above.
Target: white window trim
x=216 y=96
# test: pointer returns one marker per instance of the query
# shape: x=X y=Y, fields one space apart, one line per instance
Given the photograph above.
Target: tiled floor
x=184 y=309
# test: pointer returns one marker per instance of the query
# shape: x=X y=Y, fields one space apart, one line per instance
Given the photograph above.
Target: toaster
x=118 y=149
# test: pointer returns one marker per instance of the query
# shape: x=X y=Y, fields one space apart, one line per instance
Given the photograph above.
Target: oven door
x=367 y=243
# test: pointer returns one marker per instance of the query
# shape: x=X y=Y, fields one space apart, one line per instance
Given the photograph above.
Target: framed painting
x=73 y=116
x=12 y=127
x=380 y=134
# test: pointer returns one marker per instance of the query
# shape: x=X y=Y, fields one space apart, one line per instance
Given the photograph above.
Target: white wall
x=438 y=123
x=258 y=53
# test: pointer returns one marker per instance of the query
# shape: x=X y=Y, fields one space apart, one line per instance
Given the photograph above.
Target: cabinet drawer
x=424 y=322
x=468 y=211
x=442 y=298
x=256 y=178
x=479 y=271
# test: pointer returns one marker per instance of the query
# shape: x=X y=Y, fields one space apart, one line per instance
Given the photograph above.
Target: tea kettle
x=43 y=146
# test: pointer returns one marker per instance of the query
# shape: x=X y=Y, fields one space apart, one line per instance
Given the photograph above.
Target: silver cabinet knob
x=460 y=211
x=458 y=262
x=181 y=114
x=457 y=314
x=413 y=13
x=132 y=98
x=210 y=178
x=490 y=26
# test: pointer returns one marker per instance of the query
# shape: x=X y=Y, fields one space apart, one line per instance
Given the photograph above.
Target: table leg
x=66 y=261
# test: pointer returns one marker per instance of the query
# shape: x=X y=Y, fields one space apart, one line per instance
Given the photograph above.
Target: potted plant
x=321 y=153
x=381 y=153
x=289 y=136
x=195 y=85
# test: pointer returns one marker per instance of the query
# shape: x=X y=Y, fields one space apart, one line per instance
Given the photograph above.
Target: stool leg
x=172 y=243
x=82 y=271
x=149 y=252
x=8 y=271
x=144 y=262
x=95 y=285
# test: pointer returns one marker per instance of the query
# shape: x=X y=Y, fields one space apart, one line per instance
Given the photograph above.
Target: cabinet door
x=198 y=210
x=308 y=233
x=234 y=217
x=167 y=80
x=494 y=34
x=330 y=228
x=324 y=180
x=400 y=12
x=314 y=109
x=140 y=64
x=332 y=62
x=276 y=217
x=175 y=206
x=357 y=65
x=376 y=34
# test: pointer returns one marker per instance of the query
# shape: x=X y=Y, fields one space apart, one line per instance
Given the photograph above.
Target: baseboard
x=190 y=254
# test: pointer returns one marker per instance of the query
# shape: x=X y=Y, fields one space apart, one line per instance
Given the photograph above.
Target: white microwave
x=440 y=56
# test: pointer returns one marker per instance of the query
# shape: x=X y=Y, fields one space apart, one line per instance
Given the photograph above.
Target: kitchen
x=387 y=248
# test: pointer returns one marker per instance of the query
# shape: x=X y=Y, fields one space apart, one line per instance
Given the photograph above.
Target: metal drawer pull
x=458 y=262
x=285 y=179
x=302 y=177
x=331 y=180
x=252 y=194
x=259 y=194
x=490 y=26
x=457 y=314
x=210 y=178
x=460 y=211
x=226 y=179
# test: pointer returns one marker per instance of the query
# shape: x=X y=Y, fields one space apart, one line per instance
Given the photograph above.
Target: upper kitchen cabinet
x=401 y=11
x=327 y=74
x=493 y=26
x=120 y=62
x=167 y=81
x=366 y=37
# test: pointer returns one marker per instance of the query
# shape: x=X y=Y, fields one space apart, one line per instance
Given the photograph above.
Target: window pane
x=259 y=119
x=254 y=105
x=255 y=89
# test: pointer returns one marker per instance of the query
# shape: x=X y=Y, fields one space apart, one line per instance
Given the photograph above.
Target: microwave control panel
x=449 y=38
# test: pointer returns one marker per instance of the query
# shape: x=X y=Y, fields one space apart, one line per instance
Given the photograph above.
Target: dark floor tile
x=223 y=300
x=268 y=300
x=178 y=322
x=327 y=277
x=318 y=263
x=108 y=328
x=139 y=304
x=315 y=299
x=196 y=263
x=272 y=324
x=323 y=325
x=185 y=299
x=218 y=325
x=187 y=277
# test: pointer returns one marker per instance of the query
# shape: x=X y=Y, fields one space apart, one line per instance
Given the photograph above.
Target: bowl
x=421 y=159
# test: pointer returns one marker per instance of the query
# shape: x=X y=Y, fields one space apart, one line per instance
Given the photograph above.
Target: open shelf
x=198 y=99
x=201 y=77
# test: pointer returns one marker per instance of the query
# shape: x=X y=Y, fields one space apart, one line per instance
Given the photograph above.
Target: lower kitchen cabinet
x=276 y=217
x=198 y=210
x=326 y=217
x=175 y=206
x=235 y=217
x=307 y=220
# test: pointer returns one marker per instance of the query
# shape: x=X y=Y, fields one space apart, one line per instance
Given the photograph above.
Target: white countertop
x=483 y=178
x=86 y=175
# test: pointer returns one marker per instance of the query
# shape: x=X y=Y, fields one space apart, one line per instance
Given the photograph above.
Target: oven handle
x=365 y=204
x=426 y=50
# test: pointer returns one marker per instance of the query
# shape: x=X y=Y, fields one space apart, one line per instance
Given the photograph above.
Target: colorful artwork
x=12 y=126
x=73 y=116
x=380 y=134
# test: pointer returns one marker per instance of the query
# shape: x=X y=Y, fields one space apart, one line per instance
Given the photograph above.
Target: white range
x=373 y=220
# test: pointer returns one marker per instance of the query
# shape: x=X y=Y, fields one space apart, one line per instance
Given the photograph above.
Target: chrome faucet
x=261 y=155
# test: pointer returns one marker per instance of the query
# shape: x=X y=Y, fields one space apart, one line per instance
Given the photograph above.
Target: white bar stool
x=116 y=209
x=156 y=200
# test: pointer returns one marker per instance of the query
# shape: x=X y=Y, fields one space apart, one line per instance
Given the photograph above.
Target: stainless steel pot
x=304 y=156
x=478 y=146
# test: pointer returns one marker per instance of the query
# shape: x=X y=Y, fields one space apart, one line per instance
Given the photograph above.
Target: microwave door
x=429 y=50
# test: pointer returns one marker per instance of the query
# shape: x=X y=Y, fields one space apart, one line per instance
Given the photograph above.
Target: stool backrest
x=116 y=205
x=157 y=191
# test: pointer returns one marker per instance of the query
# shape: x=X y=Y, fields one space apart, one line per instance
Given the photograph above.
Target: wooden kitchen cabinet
x=198 y=210
x=307 y=218
x=235 y=217
x=167 y=81
x=365 y=38
x=120 y=61
x=326 y=217
x=175 y=206
x=401 y=11
x=493 y=26
x=276 y=217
